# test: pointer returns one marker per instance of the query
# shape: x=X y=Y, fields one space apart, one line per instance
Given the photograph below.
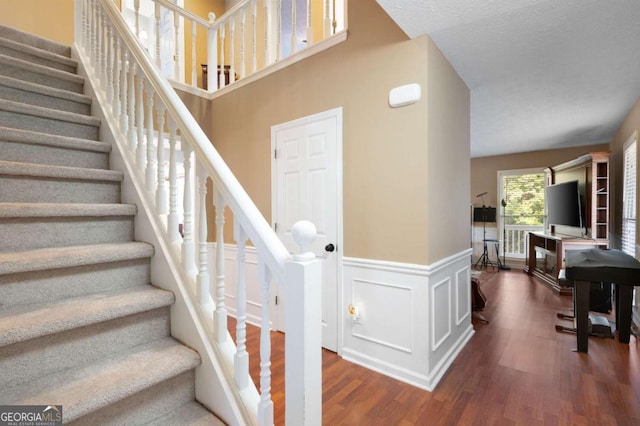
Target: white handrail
x=137 y=102
x=245 y=211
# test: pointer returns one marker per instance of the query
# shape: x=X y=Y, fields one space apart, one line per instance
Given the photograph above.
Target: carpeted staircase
x=80 y=323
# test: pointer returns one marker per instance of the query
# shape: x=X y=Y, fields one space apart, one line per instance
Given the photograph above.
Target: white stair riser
x=52 y=155
x=20 y=234
x=49 y=125
x=57 y=284
x=142 y=407
x=20 y=189
x=32 y=98
x=61 y=351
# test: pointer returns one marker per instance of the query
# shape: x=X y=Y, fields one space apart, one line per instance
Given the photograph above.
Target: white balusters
x=136 y=8
x=188 y=250
x=109 y=64
x=124 y=91
x=268 y=24
x=172 y=220
x=194 y=69
x=161 y=189
x=221 y=83
x=150 y=170
x=232 y=52
x=131 y=104
x=212 y=54
x=101 y=55
x=220 y=314
x=265 y=407
x=176 y=44
x=157 y=41
x=294 y=36
x=202 y=280
x=309 y=24
x=140 y=145
x=243 y=42
x=241 y=359
x=328 y=21
x=254 y=42
x=278 y=54
x=117 y=65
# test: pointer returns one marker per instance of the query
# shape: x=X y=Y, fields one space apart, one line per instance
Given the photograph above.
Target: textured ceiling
x=543 y=74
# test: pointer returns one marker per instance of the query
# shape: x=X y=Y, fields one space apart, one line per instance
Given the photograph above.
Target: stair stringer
x=215 y=387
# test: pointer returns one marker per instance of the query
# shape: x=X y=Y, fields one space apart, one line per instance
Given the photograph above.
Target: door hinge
x=275 y=154
x=275 y=227
x=276 y=300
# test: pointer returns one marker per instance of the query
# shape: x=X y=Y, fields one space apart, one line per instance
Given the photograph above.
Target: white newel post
x=303 y=331
x=212 y=54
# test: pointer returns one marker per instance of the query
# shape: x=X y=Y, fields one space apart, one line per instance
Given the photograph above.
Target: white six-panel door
x=306 y=186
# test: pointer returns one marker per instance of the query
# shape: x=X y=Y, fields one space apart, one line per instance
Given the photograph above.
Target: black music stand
x=486 y=214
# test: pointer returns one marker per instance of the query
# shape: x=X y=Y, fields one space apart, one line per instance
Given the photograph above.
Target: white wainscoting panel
x=374 y=324
x=463 y=295
x=413 y=319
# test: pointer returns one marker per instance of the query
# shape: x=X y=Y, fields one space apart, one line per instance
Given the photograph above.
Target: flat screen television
x=564 y=207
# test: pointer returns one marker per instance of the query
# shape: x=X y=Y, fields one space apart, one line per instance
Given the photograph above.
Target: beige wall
x=386 y=154
x=448 y=153
x=52 y=19
x=630 y=124
x=484 y=170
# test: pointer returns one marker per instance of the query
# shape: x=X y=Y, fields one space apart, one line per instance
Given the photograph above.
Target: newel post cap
x=212 y=17
x=304 y=232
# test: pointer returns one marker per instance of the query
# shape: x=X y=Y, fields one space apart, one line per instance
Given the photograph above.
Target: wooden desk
x=597 y=265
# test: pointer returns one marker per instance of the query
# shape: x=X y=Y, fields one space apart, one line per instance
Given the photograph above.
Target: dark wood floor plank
x=516 y=370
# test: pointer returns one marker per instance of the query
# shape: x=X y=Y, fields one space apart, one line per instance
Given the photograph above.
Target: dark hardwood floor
x=516 y=370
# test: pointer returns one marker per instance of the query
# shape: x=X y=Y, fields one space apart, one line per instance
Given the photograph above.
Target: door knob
x=329 y=247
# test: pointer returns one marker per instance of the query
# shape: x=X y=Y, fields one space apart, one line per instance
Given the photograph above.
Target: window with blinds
x=629 y=198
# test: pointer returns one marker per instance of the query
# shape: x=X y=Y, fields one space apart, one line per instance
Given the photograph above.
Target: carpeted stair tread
x=36 y=111
x=40 y=89
x=89 y=388
x=58 y=172
x=67 y=257
x=24 y=210
x=63 y=61
x=8 y=134
x=41 y=69
x=21 y=323
x=192 y=414
x=34 y=40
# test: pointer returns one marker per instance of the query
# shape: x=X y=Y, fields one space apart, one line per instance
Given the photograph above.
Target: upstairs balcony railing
x=250 y=37
x=148 y=120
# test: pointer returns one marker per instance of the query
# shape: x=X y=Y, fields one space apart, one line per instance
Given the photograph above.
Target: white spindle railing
x=140 y=108
x=222 y=43
x=515 y=239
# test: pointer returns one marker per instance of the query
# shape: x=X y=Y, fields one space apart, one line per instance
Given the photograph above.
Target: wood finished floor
x=516 y=370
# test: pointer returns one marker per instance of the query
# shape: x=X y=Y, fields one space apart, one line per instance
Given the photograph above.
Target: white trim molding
x=412 y=320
